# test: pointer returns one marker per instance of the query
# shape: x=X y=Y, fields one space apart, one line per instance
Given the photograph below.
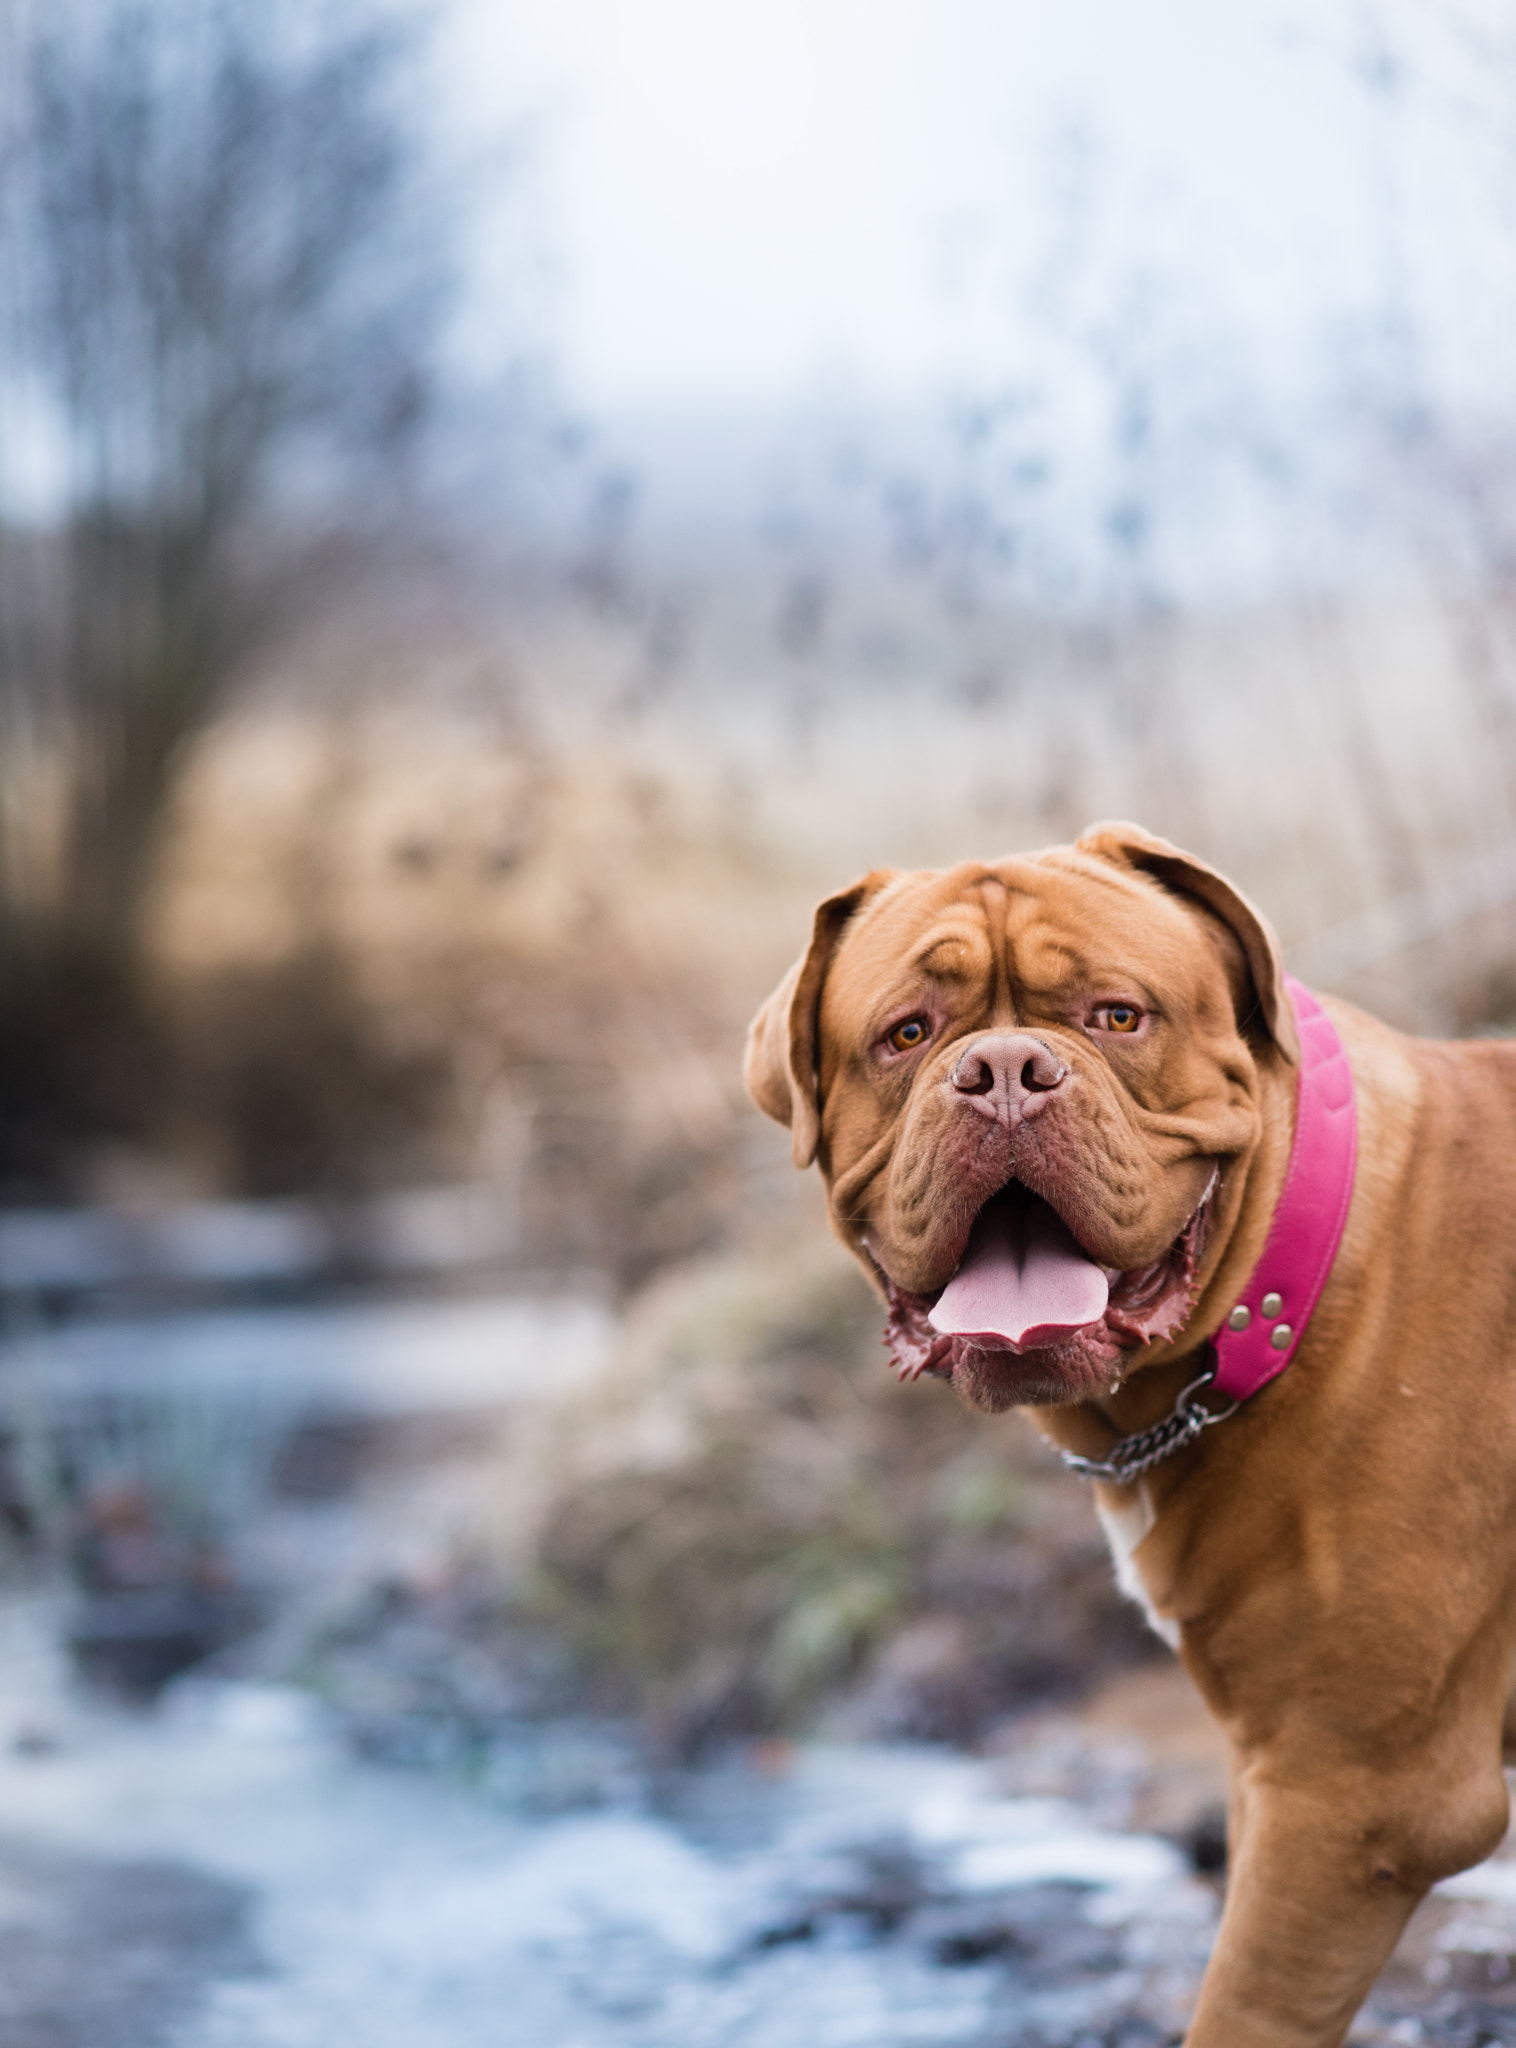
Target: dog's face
x=1025 y=1082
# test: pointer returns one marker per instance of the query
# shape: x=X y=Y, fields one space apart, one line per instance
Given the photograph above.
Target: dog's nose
x=1009 y=1073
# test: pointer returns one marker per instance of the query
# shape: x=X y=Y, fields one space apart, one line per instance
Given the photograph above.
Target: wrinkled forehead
x=1047 y=920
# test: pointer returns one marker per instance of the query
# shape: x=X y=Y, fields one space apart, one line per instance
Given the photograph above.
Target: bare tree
x=221 y=289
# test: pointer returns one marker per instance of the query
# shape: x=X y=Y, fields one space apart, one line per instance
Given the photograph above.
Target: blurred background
x=501 y=507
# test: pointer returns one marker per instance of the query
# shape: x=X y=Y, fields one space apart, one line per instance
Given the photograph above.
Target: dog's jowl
x=1250 y=1259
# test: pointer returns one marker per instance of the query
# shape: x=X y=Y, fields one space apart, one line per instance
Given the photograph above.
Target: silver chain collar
x=1130 y=1456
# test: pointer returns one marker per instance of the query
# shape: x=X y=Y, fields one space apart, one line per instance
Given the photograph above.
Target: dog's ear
x=1128 y=846
x=780 y=1067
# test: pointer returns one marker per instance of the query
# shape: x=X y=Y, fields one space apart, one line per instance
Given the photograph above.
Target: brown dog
x=1080 y=1067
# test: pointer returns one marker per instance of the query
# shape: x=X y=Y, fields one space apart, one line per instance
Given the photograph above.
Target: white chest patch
x=1124 y=1529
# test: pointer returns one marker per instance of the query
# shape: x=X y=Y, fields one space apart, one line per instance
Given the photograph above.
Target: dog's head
x=1025 y=1082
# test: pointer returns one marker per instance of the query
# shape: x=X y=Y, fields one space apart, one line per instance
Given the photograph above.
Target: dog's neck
x=1280 y=1217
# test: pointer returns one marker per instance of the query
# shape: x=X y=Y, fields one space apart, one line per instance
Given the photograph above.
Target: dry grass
x=398 y=944
x=494 y=929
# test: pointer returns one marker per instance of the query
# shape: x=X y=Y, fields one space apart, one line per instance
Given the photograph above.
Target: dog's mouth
x=1026 y=1285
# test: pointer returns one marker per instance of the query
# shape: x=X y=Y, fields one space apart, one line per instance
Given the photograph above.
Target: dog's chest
x=1124 y=1529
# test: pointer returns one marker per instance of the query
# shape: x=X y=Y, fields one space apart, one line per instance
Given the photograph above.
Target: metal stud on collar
x=1130 y=1456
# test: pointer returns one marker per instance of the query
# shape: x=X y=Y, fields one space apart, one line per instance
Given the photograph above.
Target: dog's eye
x=1123 y=1017
x=907 y=1036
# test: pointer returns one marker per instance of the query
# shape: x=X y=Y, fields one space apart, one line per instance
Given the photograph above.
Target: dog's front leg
x=1304 y=1934
x=1324 y=1876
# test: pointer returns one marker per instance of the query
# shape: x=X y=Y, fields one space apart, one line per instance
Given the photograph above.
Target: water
x=368 y=1358
x=849 y=1897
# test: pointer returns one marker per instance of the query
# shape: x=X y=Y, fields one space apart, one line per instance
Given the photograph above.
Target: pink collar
x=1268 y=1319
x=1259 y=1337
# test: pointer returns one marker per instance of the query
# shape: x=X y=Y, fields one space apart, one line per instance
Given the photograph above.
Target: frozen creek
x=244 y=1883
x=224 y=1874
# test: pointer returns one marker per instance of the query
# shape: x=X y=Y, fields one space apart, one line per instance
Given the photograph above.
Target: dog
x=1250 y=1260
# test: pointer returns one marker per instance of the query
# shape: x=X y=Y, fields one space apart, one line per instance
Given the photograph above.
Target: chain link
x=1130 y=1456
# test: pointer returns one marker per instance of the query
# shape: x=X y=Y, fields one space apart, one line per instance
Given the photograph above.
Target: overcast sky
x=750 y=201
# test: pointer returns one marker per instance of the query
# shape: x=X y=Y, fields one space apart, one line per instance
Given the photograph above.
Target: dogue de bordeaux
x=1084 y=1134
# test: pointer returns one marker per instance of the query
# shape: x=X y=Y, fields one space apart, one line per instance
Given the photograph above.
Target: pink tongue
x=1023 y=1282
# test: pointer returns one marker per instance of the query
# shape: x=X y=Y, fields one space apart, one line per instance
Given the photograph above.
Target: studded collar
x=1263 y=1329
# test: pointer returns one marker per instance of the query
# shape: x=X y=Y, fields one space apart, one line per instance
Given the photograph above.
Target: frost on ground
x=225 y=1874
x=856 y=1901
